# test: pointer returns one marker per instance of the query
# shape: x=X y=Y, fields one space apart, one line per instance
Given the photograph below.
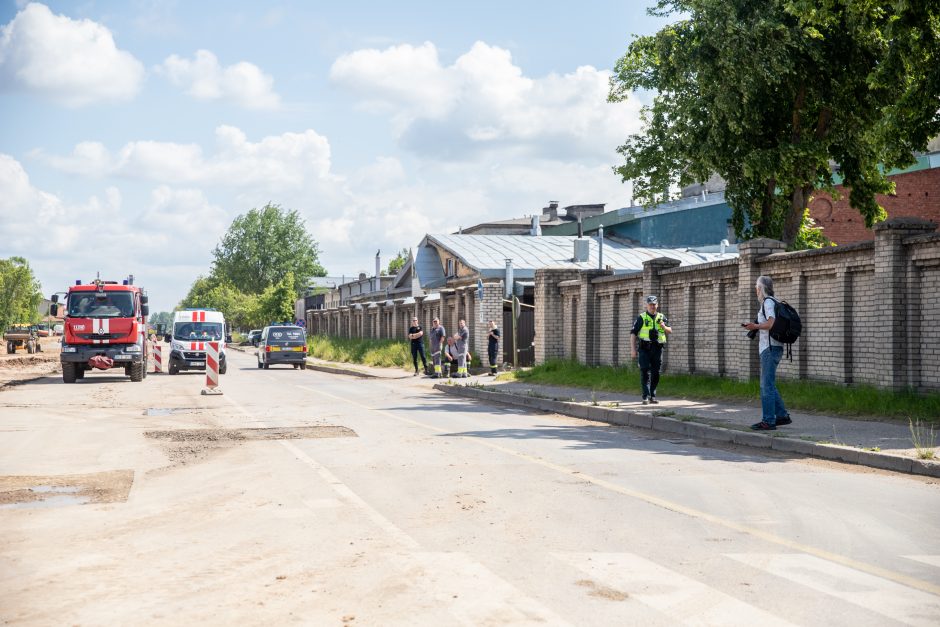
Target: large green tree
x=241 y=310
x=770 y=94
x=20 y=293
x=263 y=246
x=276 y=304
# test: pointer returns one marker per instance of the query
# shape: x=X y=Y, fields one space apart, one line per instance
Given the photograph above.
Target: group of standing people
x=651 y=330
x=452 y=351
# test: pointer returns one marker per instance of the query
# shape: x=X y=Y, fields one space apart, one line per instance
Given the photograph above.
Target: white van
x=192 y=329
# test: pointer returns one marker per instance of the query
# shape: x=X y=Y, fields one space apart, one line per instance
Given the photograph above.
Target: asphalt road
x=147 y=503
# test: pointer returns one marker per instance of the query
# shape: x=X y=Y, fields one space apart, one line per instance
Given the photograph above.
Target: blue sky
x=134 y=132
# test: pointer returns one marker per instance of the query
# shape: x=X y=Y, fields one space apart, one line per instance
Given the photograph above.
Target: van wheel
x=260 y=365
x=266 y=366
x=303 y=366
x=174 y=368
x=223 y=367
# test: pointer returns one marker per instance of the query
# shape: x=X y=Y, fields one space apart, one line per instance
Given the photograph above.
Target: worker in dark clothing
x=650 y=330
x=416 y=335
x=492 y=346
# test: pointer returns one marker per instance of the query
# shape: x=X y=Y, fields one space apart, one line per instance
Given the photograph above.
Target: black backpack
x=787 y=324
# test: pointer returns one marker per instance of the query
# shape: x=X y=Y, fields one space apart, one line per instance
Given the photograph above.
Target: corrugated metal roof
x=488 y=253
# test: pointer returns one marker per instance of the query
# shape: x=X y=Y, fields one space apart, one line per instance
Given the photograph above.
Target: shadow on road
x=603 y=437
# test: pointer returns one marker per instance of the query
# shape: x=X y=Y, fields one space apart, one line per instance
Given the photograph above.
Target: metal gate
x=525 y=329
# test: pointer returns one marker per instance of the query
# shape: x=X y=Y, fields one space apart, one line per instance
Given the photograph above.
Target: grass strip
x=368 y=352
x=859 y=401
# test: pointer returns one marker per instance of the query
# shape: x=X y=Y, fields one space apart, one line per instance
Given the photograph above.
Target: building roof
x=487 y=255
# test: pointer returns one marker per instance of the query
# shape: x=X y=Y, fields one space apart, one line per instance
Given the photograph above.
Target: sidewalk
x=864 y=441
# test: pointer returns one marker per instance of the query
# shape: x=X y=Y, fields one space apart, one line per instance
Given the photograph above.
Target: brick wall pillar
x=380 y=321
x=588 y=312
x=549 y=313
x=652 y=284
x=490 y=308
x=746 y=361
x=893 y=289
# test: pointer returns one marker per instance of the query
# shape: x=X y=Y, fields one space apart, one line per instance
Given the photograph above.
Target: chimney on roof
x=551 y=210
x=536 y=230
x=378 y=270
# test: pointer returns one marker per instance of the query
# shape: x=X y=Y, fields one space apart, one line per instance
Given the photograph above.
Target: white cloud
x=165 y=245
x=204 y=78
x=73 y=62
x=484 y=104
x=275 y=163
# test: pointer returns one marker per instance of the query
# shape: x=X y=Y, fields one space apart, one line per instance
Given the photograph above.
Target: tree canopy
x=396 y=264
x=770 y=93
x=20 y=293
x=263 y=246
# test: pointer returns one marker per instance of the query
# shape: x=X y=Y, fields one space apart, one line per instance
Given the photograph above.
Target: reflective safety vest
x=648 y=323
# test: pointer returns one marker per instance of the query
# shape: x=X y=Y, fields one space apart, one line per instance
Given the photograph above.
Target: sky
x=133 y=133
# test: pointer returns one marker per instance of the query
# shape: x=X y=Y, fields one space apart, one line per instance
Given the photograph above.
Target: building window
x=451 y=267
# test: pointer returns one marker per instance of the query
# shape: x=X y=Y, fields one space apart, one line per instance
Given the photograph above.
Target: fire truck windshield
x=198 y=331
x=101 y=304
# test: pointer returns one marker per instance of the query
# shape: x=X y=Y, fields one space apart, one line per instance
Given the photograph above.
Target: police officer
x=650 y=329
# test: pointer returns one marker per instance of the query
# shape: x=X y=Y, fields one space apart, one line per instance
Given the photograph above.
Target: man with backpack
x=773 y=411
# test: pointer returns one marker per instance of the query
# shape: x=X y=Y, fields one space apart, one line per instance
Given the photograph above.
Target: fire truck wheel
x=68 y=372
x=137 y=372
x=79 y=372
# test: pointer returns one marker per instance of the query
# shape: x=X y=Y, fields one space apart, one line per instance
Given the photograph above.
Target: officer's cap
x=651 y=300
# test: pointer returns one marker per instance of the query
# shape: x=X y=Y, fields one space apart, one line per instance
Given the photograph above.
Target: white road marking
x=876 y=594
x=683 y=599
x=469 y=591
x=901 y=578
x=931 y=560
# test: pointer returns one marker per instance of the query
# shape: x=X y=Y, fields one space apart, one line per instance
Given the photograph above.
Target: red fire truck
x=105 y=327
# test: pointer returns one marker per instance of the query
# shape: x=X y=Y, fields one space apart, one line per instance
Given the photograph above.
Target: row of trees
x=769 y=94
x=260 y=266
x=20 y=293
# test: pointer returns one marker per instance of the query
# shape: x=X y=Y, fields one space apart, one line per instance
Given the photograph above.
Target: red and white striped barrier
x=157 y=357
x=212 y=369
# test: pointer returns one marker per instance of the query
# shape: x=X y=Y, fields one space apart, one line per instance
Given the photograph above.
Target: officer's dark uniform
x=651 y=336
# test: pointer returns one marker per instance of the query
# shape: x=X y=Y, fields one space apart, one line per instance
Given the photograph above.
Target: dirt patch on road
x=602 y=592
x=240 y=435
x=189 y=446
x=27 y=491
x=21 y=367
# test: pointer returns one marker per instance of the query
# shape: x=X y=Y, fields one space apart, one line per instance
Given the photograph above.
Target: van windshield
x=101 y=304
x=283 y=335
x=197 y=330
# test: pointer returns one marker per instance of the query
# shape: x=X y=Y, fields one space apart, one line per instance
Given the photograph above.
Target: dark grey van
x=283 y=344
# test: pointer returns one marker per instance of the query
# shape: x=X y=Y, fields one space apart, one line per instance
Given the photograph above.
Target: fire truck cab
x=192 y=330
x=105 y=327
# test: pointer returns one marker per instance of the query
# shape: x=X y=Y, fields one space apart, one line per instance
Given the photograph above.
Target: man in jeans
x=773 y=412
x=416 y=335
